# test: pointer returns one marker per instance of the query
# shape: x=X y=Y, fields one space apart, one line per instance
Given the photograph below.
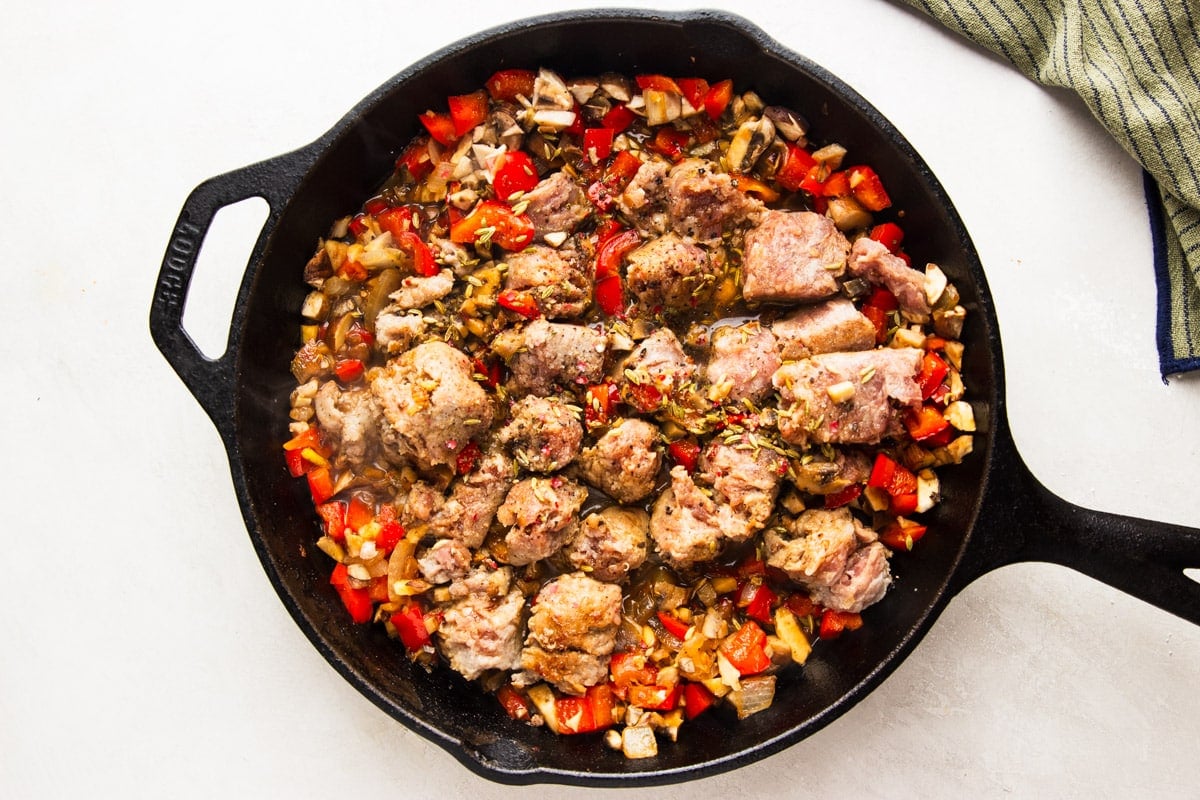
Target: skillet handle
x=1021 y=520
x=211 y=380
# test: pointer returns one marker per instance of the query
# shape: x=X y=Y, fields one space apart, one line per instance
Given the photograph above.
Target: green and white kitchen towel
x=1136 y=64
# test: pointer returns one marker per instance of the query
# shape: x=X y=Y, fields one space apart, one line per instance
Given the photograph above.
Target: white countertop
x=145 y=654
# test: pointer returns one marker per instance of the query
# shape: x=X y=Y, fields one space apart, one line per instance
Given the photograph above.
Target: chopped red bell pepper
x=356 y=601
x=877 y=309
x=882 y=298
x=489 y=373
x=348 y=370
x=888 y=234
x=359 y=513
x=696 y=699
x=685 y=453
x=834 y=622
x=627 y=669
x=893 y=478
x=844 y=496
x=390 y=534
x=410 y=625
x=750 y=566
x=645 y=397
x=308 y=438
x=440 y=127
x=933 y=371
x=654 y=698
x=902 y=504
x=836 y=185
x=748 y=184
x=297 y=464
x=519 y=302
x=597 y=144
x=659 y=83
x=396 y=221
x=602 y=398
x=468 y=110
x=610 y=296
x=515 y=704
x=423 y=261
x=618 y=118
x=623 y=167
x=611 y=250
x=670 y=142
x=717 y=99
x=515 y=172
x=415 y=158
x=867 y=188
x=802 y=605
x=353 y=271
x=924 y=422
x=512 y=231
x=795 y=168
x=333 y=519
x=757 y=600
x=814 y=182
x=508 y=84
x=674 y=625
x=746 y=649
x=320 y=484
x=694 y=90
x=358 y=225
x=902 y=536
x=465 y=462
x=592 y=712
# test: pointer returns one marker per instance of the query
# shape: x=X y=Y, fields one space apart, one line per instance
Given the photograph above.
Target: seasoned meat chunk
x=558 y=280
x=684 y=524
x=624 y=462
x=817 y=547
x=417 y=291
x=744 y=480
x=431 y=404
x=545 y=433
x=659 y=360
x=539 y=513
x=644 y=200
x=820 y=476
x=863 y=582
x=610 y=544
x=572 y=632
x=482 y=629
x=556 y=204
x=834 y=326
x=743 y=357
x=556 y=354
x=793 y=256
x=873 y=379
x=444 y=561
x=467 y=513
x=872 y=262
x=705 y=204
x=351 y=418
x=668 y=273
x=396 y=332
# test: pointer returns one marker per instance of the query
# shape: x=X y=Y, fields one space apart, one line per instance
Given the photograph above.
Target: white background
x=143 y=652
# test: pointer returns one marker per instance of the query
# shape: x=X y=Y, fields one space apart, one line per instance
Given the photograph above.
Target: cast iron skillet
x=995 y=512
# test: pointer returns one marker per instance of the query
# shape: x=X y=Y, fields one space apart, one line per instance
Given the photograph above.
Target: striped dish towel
x=1136 y=63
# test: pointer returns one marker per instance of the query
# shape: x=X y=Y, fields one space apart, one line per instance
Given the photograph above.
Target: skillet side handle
x=211 y=380
x=1023 y=521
